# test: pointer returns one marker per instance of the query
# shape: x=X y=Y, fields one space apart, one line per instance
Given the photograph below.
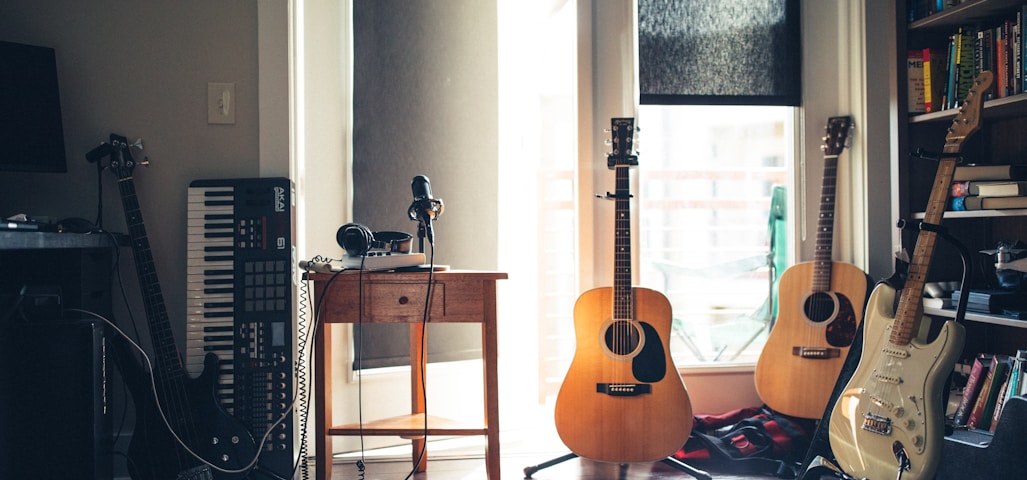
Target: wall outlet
x=221 y=103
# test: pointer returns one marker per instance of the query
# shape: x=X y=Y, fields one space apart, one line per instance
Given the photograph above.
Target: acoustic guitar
x=889 y=419
x=181 y=432
x=820 y=305
x=623 y=400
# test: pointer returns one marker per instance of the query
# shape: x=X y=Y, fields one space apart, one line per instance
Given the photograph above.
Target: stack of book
x=991 y=301
x=989 y=187
x=945 y=70
x=993 y=379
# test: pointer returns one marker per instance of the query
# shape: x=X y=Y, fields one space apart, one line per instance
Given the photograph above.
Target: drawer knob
x=403 y=300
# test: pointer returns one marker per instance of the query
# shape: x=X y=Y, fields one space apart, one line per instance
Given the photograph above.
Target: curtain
x=719 y=52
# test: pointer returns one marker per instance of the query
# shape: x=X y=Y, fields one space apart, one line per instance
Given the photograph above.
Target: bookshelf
x=1001 y=140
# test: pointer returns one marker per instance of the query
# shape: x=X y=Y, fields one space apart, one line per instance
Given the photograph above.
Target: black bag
x=749 y=440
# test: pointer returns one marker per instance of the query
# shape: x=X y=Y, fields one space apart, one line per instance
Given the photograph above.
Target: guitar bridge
x=816 y=352
x=623 y=389
x=877 y=424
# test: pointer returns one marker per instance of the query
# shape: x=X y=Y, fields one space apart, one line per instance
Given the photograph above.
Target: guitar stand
x=678 y=464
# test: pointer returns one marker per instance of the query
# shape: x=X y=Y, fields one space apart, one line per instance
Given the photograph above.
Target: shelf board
x=409 y=426
x=977 y=317
x=1013 y=105
x=966 y=12
x=1012 y=212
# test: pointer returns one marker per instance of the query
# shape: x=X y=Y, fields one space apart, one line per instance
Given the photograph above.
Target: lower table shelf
x=410 y=426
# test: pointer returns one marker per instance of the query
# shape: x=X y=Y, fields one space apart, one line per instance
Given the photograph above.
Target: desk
x=398 y=297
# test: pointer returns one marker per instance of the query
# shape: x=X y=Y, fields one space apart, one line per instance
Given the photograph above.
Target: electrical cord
x=160 y=409
x=423 y=359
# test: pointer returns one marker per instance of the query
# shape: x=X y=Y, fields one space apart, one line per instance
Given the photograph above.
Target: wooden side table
x=398 y=297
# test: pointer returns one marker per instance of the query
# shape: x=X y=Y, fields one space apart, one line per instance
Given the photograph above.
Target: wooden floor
x=463 y=459
x=513 y=468
x=531 y=442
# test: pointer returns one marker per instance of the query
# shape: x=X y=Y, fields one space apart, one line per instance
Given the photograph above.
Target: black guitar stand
x=819 y=461
x=678 y=464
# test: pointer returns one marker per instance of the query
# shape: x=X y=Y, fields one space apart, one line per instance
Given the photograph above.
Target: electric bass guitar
x=820 y=305
x=623 y=400
x=889 y=422
x=181 y=432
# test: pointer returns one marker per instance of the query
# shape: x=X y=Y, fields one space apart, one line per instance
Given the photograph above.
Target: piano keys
x=240 y=280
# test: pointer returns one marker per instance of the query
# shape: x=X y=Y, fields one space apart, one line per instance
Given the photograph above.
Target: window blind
x=719 y=52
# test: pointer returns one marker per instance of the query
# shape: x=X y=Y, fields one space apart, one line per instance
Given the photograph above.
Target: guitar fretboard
x=822 y=258
x=622 y=301
x=167 y=359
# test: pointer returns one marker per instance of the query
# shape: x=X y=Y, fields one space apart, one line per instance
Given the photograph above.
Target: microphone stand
x=421 y=232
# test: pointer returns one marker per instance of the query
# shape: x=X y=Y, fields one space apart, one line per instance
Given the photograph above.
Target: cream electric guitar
x=889 y=420
x=820 y=306
x=623 y=400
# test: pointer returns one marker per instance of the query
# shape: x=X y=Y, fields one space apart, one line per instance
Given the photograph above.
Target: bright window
x=707 y=180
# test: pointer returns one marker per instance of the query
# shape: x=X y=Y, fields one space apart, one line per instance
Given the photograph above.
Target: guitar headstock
x=622 y=143
x=119 y=151
x=836 y=134
x=969 y=118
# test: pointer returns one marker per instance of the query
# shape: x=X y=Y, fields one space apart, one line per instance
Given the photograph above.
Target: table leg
x=418 y=364
x=322 y=401
x=490 y=358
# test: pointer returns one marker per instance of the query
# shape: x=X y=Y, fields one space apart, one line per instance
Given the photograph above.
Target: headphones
x=358 y=240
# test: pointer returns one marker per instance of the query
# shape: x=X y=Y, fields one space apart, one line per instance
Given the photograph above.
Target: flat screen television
x=31 y=131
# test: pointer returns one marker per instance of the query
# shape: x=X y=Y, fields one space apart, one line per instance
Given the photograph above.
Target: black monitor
x=31 y=131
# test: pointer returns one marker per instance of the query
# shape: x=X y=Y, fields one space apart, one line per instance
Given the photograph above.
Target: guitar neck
x=622 y=300
x=907 y=319
x=822 y=257
x=167 y=359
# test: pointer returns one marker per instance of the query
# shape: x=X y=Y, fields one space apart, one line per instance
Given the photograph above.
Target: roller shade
x=719 y=52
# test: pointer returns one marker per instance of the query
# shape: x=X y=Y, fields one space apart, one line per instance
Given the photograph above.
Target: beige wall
x=140 y=69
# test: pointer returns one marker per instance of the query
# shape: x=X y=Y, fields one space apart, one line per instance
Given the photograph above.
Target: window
x=707 y=181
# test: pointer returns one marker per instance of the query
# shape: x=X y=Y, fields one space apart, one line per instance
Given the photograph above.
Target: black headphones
x=358 y=240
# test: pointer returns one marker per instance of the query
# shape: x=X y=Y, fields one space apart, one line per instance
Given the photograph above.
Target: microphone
x=425 y=208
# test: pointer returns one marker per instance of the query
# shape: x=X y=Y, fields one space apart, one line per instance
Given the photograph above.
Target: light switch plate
x=221 y=103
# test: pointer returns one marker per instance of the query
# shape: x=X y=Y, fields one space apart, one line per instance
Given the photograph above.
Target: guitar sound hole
x=819 y=307
x=622 y=337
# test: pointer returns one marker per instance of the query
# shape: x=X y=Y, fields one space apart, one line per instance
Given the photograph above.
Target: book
x=992 y=203
x=1011 y=387
x=989 y=172
x=915 y=81
x=991 y=301
x=978 y=371
x=980 y=416
x=1001 y=62
x=934 y=75
x=997 y=189
x=988 y=188
x=965 y=63
x=952 y=71
x=1000 y=399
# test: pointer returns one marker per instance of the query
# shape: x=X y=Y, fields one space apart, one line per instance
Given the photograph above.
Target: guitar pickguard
x=842 y=331
x=649 y=365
